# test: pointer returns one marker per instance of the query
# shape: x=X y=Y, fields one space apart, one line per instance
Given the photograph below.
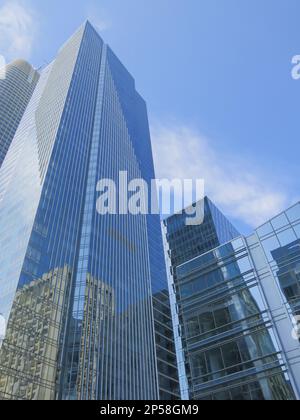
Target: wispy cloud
x=17 y=29
x=98 y=16
x=243 y=192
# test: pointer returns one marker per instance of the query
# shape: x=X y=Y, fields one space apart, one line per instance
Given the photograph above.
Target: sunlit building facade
x=16 y=89
x=237 y=304
x=100 y=325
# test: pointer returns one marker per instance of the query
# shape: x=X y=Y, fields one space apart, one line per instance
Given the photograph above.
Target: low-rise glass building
x=237 y=305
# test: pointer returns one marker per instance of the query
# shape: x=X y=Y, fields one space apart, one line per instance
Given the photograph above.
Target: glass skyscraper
x=186 y=242
x=85 y=296
x=237 y=304
x=15 y=92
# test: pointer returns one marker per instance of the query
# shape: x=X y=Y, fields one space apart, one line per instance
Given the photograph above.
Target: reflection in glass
x=265 y=230
x=269 y=245
x=286 y=237
x=288 y=262
x=231 y=351
x=280 y=221
x=293 y=213
x=86 y=296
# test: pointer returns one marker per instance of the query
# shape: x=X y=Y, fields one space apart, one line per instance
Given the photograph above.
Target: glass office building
x=186 y=242
x=85 y=296
x=237 y=304
x=15 y=92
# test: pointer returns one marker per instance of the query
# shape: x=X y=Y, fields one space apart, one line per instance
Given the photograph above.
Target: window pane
x=287 y=237
x=265 y=230
x=270 y=245
x=294 y=213
x=206 y=322
x=280 y=222
x=231 y=355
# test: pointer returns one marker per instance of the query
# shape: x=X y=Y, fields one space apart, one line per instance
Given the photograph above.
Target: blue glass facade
x=187 y=242
x=184 y=243
x=85 y=296
x=236 y=305
x=280 y=240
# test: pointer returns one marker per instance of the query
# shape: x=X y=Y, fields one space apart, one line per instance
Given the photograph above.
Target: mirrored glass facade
x=236 y=305
x=85 y=296
x=280 y=240
x=16 y=90
x=182 y=243
x=187 y=242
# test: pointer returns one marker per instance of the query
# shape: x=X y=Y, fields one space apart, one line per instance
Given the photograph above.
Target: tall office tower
x=187 y=242
x=237 y=304
x=85 y=295
x=15 y=92
x=183 y=243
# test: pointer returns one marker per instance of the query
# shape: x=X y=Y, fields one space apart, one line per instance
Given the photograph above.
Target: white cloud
x=100 y=24
x=242 y=191
x=98 y=17
x=17 y=30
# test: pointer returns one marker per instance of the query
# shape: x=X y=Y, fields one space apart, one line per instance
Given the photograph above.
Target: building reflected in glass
x=288 y=260
x=236 y=305
x=37 y=321
x=280 y=239
x=16 y=90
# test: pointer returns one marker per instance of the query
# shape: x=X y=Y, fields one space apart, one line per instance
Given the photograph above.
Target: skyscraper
x=92 y=289
x=236 y=306
x=15 y=92
x=187 y=242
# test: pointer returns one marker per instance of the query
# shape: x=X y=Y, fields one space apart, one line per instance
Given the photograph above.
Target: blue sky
x=216 y=75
